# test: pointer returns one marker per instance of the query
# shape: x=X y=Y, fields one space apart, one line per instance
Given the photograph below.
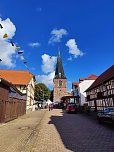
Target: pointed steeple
x=58 y=52
x=59 y=72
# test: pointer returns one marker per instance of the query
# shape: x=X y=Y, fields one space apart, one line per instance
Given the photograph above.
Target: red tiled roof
x=108 y=74
x=81 y=79
x=16 y=76
x=75 y=83
x=91 y=77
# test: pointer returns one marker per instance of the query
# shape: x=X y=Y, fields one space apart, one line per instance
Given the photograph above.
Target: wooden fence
x=11 y=109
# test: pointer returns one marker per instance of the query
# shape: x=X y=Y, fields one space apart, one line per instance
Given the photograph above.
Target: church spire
x=58 y=52
x=59 y=72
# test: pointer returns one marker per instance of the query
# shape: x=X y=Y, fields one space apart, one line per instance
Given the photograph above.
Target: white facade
x=84 y=85
x=29 y=91
x=80 y=90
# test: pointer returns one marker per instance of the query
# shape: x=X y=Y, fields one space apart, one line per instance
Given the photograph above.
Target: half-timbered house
x=24 y=81
x=101 y=93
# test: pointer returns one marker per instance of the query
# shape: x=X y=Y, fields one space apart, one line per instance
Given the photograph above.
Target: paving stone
x=55 y=131
x=73 y=132
x=15 y=135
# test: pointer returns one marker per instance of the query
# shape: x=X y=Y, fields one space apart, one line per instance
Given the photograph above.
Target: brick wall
x=59 y=91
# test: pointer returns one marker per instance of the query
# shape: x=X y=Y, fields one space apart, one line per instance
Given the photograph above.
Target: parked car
x=57 y=105
x=106 y=115
x=71 y=108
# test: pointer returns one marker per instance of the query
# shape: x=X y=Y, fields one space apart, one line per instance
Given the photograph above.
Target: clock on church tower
x=60 y=81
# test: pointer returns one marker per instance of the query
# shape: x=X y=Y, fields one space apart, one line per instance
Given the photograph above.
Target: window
x=113 y=84
x=60 y=83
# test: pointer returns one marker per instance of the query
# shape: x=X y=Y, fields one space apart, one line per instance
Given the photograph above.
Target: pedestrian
x=50 y=107
x=40 y=106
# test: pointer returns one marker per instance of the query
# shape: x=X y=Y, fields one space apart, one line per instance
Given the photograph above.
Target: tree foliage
x=42 y=92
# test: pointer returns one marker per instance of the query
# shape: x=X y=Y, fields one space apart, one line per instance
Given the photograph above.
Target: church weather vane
x=16 y=47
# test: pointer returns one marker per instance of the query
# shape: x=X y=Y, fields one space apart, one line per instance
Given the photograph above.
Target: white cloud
x=56 y=35
x=73 y=48
x=46 y=79
x=7 y=51
x=48 y=63
x=8 y=27
x=70 y=58
x=34 y=44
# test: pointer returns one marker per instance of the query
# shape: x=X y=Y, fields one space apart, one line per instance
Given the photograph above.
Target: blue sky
x=83 y=31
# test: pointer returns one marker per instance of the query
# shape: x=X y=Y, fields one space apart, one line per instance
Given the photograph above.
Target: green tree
x=41 y=92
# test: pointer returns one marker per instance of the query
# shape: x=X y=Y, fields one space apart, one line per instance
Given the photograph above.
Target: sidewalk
x=20 y=134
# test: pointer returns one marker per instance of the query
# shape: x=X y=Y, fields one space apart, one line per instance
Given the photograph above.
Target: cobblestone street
x=55 y=131
x=20 y=134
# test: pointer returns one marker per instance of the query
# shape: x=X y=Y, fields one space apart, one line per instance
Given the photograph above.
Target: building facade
x=101 y=93
x=24 y=81
x=78 y=88
x=59 y=81
x=12 y=101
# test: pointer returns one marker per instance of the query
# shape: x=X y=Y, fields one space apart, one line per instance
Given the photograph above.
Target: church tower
x=60 y=81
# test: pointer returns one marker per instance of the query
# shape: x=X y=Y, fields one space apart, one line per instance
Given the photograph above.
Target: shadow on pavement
x=82 y=133
x=93 y=117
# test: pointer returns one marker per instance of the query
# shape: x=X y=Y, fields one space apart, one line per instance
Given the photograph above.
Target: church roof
x=59 y=72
